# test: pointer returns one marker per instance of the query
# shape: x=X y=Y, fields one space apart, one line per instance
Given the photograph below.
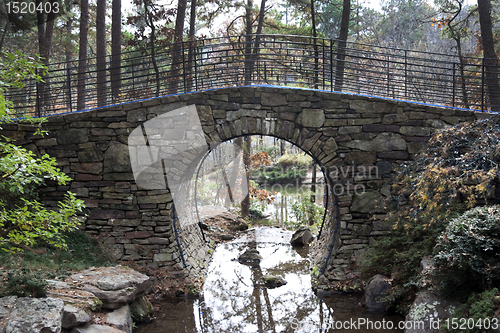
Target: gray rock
x=427 y=309
x=117 y=158
x=367 y=202
x=382 y=142
x=31 y=315
x=312 y=118
x=75 y=316
x=378 y=287
x=121 y=318
x=272 y=281
x=250 y=256
x=96 y=329
x=141 y=310
x=302 y=237
x=114 y=286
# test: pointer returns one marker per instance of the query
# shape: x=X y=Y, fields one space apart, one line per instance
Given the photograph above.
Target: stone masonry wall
x=357 y=140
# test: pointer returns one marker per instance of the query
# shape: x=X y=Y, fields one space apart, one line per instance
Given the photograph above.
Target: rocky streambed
x=104 y=300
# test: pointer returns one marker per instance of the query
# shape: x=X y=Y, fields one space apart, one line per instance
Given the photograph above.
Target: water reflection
x=236 y=300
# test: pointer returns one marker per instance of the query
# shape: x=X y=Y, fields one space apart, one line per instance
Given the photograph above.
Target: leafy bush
x=457 y=171
x=25 y=283
x=295 y=160
x=306 y=213
x=471 y=242
x=479 y=307
x=23 y=219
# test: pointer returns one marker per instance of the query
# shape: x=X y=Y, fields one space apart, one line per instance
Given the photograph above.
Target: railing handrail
x=303 y=61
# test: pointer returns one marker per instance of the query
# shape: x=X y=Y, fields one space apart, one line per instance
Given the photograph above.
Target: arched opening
x=286 y=186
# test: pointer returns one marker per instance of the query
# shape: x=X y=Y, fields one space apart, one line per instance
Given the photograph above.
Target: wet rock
x=250 y=256
x=141 y=310
x=226 y=237
x=377 y=288
x=429 y=308
x=30 y=315
x=272 y=281
x=302 y=237
x=121 y=318
x=114 y=286
x=96 y=329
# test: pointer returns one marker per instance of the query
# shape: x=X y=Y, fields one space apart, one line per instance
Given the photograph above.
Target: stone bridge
x=357 y=140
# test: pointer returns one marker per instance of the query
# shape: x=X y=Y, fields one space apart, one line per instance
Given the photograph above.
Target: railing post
x=406 y=74
x=454 y=84
x=482 y=85
x=68 y=75
x=331 y=64
x=183 y=65
x=37 y=101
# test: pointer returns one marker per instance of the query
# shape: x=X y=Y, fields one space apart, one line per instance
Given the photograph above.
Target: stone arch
x=344 y=132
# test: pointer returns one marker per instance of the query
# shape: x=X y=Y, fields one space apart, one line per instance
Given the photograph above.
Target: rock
x=426 y=265
x=302 y=237
x=74 y=316
x=96 y=329
x=117 y=158
x=378 y=286
x=238 y=225
x=78 y=304
x=141 y=310
x=272 y=281
x=367 y=202
x=114 y=286
x=30 y=315
x=428 y=308
x=382 y=142
x=250 y=256
x=121 y=318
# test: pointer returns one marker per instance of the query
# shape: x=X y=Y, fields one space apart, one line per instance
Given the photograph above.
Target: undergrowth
x=24 y=273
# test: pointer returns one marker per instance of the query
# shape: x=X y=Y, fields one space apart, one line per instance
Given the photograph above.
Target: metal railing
x=281 y=60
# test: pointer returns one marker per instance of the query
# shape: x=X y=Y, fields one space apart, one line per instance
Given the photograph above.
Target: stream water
x=235 y=299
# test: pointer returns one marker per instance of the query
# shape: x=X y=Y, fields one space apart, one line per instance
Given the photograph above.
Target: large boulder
x=141 y=310
x=302 y=237
x=30 y=315
x=114 y=286
x=429 y=310
x=78 y=304
x=377 y=288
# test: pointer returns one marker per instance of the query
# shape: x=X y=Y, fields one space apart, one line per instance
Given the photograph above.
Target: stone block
x=69 y=136
x=138 y=234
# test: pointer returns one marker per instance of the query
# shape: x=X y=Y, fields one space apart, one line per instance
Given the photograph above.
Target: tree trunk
x=192 y=27
x=45 y=33
x=260 y=24
x=177 y=47
x=116 y=49
x=316 y=60
x=101 y=52
x=490 y=60
x=82 y=53
x=341 y=49
x=245 y=204
x=248 y=43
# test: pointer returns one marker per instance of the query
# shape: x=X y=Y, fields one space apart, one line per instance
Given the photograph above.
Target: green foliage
x=457 y=171
x=306 y=213
x=15 y=69
x=280 y=176
x=479 y=307
x=295 y=160
x=471 y=242
x=25 y=283
x=24 y=274
x=23 y=219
